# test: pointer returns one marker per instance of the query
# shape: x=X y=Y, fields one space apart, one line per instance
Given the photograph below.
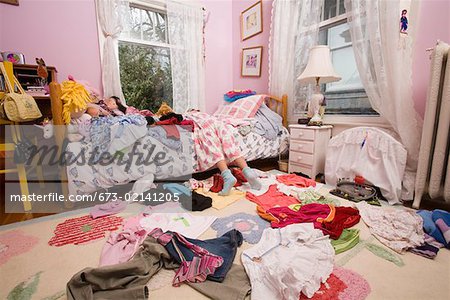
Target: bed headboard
x=279 y=105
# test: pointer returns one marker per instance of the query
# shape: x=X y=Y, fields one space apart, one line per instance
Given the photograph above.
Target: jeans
x=224 y=246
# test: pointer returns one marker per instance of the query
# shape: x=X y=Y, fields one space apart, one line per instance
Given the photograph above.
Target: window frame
x=343 y=120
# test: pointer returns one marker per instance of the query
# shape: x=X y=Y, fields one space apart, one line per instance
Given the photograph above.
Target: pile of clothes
x=234 y=95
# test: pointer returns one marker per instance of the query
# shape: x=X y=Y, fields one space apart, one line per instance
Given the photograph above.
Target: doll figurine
x=404 y=22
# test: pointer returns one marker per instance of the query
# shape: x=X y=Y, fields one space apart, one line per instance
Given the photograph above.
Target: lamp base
x=316 y=120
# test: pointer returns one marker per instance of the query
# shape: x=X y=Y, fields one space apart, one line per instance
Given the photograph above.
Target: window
x=347 y=96
x=144 y=58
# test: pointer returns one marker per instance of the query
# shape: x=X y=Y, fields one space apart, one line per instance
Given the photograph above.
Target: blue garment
x=160 y=134
x=429 y=223
x=224 y=246
x=237 y=97
x=176 y=188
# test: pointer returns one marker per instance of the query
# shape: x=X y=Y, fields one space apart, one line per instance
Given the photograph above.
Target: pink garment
x=213 y=140
x=295 y=180
x=120 y=247
x=272 y=198
x=134 y=111
x=309 y=213
x=109 y=208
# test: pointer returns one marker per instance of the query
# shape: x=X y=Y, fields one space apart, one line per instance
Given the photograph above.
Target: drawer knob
x=300 y=146
x=300 y=133
x=299 y=158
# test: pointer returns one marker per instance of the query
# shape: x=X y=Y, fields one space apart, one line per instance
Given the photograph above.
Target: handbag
x=17 y=107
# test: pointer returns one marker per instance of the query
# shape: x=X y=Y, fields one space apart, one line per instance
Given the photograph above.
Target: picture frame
x=12 y=2
x=251 y=21
x=251 y=61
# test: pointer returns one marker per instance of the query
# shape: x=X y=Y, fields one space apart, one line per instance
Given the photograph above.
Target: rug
x=43 y=271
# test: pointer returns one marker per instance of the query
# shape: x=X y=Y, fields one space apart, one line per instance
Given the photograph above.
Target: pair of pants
x=127 y=280
x=224 y=246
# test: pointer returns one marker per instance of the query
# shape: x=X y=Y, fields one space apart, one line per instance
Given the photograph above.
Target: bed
x=90 y=178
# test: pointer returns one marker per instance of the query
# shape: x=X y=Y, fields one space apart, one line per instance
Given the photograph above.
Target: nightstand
x=307 y=149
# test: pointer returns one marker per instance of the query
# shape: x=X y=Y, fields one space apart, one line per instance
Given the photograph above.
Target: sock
x=252 y=178
x=228 y=182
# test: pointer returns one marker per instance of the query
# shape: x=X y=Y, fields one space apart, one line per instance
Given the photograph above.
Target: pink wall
x=260 y=84
x=62 y=32
x=219 y=63
x=433 y=24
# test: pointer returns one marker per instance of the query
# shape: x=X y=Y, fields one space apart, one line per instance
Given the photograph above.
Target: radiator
x=433 y=170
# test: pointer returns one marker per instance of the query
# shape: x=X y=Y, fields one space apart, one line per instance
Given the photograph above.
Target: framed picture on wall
x=13 y=2
x=251 y=21
x=251 y=62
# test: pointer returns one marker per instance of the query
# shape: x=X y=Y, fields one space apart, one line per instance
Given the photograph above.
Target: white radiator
x=433 y=170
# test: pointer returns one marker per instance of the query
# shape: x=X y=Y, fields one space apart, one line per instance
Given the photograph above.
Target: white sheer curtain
x=109 y=14
x=384 y=60
x=185 y=27
x=294 y=30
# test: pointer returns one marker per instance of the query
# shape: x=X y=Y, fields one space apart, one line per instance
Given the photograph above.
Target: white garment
x=265 y=184
x=288 y=261
x=384 y=58
x=398 y=229
x=185 y=224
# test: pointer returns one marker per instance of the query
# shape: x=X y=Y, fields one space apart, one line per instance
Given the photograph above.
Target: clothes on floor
x=183 y=223
x=109 y=208
x=220 y=202
x=128 y=280
x=295 y=180
x=289 y=261
x=326 y=217
x=197 y=202
x=398 y=229
x=273 y=197
x=195 y=268
x=348 y=239
x=436 y=224
x=121 y=246
x=265 y=182
x=311 y=196
x=197 y=256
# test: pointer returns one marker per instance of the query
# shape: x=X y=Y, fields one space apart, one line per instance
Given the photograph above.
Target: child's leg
x=228 y=179
x=249 y=173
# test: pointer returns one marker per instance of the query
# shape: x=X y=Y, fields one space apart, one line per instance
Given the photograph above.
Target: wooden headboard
x=279 y=105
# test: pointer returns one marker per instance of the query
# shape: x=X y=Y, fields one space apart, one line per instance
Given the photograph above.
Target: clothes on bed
x=398 y=229
x=234 y=95
x=213 y=140
x=160 y=134
x=273 y=197
x=213 y=257
x=295 y=180
x=267 y=123
x=289 y=261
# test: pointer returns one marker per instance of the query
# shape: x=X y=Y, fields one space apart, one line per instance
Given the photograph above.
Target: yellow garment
x=220 y=202
x=164 y=109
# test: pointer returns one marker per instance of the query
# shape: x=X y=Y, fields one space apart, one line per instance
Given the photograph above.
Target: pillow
x=242 y=108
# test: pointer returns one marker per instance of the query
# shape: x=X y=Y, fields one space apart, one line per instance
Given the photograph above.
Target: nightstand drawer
x=300 y=169
x=302 y=134
x=301 y=158
x=302 y=146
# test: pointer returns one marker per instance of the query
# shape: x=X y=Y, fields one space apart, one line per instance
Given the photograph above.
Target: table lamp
x=318 y=70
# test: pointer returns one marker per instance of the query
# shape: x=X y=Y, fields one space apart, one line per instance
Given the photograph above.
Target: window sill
x=356 y=120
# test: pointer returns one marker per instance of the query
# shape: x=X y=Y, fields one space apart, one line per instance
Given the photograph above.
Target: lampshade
x=319 y=65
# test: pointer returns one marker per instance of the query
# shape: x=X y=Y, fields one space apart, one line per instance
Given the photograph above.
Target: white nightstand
x=307 y=149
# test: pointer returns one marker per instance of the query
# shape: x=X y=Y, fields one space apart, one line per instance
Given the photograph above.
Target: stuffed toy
x=164 y=109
